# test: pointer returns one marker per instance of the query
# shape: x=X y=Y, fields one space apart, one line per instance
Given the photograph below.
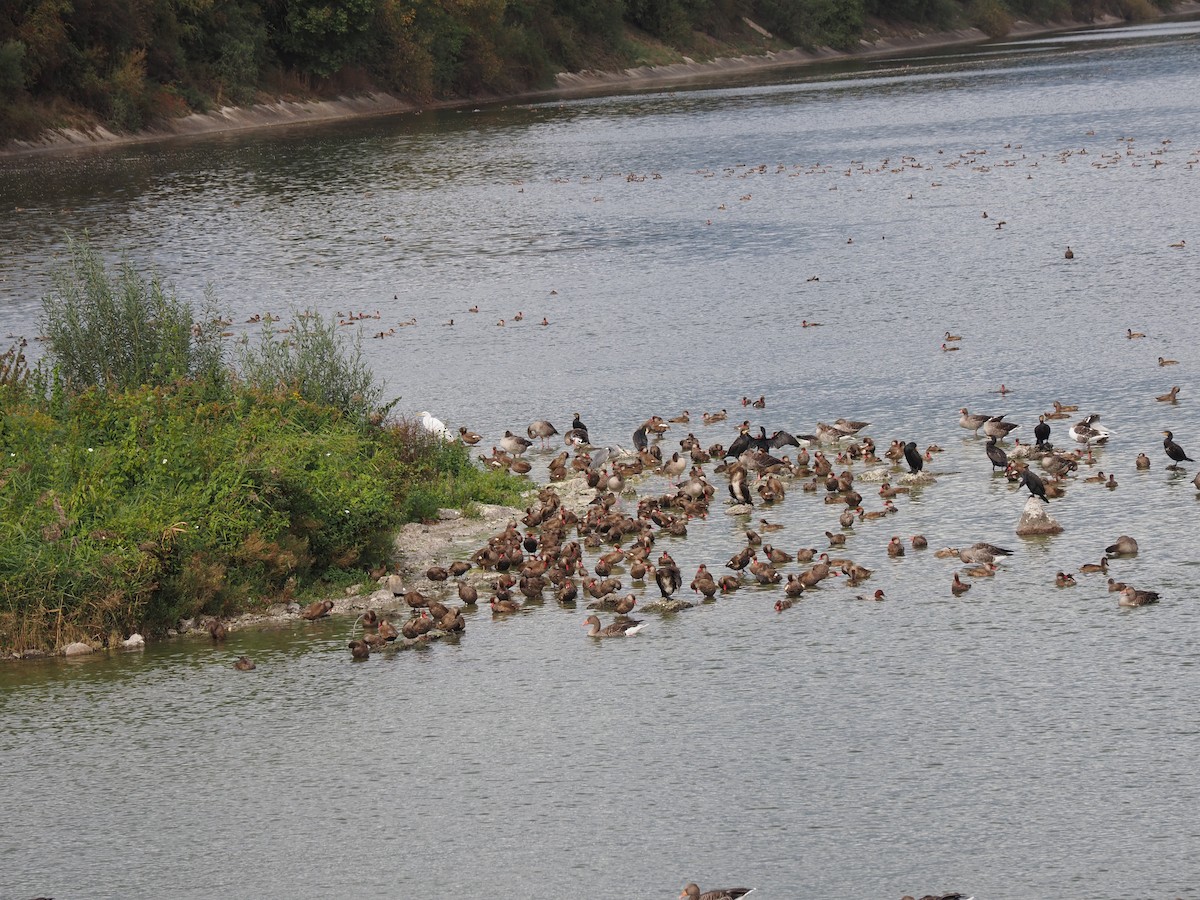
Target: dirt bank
x=567 y=84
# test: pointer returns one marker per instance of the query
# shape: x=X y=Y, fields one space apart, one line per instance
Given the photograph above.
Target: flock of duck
x=594 y=532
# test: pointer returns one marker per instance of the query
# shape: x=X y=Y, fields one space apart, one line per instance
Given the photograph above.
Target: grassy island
x=148 y=474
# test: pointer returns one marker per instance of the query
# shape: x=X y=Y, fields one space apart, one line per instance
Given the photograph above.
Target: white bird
x=434 y=426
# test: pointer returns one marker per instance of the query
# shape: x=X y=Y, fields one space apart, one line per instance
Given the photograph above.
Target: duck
x=1093 y=568
x=1142 y=461
x=387 y=631
x=1064 y=579
x=359 y=649
x=877 y=596
x=952 y=337
x=894 y=547
x=784 y=603
x=217 y=629
x=984 y=570
x=619 y=628
x=919 y=542
x=958 y=587
x=503 y=607
x=948 y=349
x=1069 y=254
x=1170 y=396
x=244 y=664
x=469 y=437
x=1111 y=484
x=317 y=610
x=1174 y=451
x=692 y=892
x=1131 y=334
x=1167 y=362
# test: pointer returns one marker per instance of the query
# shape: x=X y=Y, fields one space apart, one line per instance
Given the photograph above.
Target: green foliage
x=12 y=69
x=122 y=330
x=321 y=36
x=144 y=484
x=814 y=23
x=311 y=360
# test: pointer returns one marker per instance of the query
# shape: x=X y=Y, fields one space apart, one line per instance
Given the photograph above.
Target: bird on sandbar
x=1037 y=487
x=913 y=457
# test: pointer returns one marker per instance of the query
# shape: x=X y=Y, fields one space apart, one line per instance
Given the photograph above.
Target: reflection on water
x=1021 y=741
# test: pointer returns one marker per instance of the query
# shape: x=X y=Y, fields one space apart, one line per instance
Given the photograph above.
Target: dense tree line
x=130 y=61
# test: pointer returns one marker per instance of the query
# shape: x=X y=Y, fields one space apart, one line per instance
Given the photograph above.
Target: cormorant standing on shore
x=1041 y=432
x=666 y=573
x=739 y=489
x=639 y=438
x=997 y=456
x=913 y=457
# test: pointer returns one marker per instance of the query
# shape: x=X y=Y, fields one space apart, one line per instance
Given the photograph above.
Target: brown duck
x=317 y=610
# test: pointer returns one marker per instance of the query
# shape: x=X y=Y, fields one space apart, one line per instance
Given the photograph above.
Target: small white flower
x=164 y=462
x=89 y=449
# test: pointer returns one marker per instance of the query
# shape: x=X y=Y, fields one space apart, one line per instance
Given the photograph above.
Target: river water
x=1021 y=741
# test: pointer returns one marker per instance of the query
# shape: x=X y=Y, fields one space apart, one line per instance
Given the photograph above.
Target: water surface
x=1018 y=742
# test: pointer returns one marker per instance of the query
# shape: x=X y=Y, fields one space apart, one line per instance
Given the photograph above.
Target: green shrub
x=122 y=331
x=311 y=359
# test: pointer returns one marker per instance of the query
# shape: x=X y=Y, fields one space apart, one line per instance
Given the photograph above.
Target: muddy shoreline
x=568 y=85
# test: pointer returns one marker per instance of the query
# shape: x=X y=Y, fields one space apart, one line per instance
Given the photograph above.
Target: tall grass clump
x=122 y=330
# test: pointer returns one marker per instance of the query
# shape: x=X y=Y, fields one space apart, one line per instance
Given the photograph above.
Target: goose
x=541 y=429
x=996 y=427
x=514 y=443
x=1123 y=546
x=972 y=421
x=619 y=628
x=692 y=892
x=1131 y=596
x=1086 y=432
x=434 y=426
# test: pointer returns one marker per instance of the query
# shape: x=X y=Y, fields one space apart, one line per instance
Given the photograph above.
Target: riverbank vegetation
x=145 y=480
x=127 y=65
